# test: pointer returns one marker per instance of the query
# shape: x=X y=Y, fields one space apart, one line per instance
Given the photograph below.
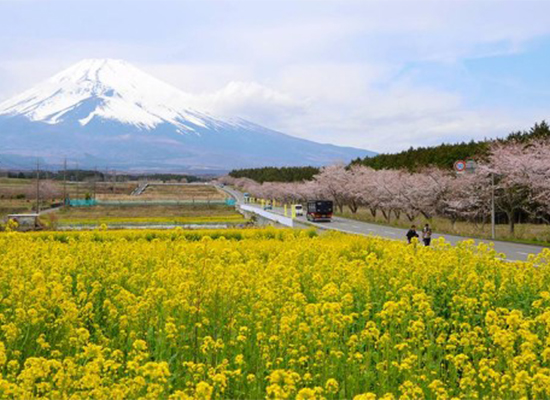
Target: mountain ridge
x=108 y=112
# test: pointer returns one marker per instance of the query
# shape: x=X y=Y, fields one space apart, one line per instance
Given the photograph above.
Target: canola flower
x=229 y=218
x=250 y=314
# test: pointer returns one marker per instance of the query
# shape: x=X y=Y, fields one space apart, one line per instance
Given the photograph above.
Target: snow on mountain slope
x=126 y=94
x=109 y=113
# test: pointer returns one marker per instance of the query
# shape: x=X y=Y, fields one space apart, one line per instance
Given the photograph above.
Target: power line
x=37 y=186
x=94 y=182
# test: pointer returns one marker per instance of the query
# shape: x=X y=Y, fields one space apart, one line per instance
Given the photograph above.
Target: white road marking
x=389 y=232
x=522 y=253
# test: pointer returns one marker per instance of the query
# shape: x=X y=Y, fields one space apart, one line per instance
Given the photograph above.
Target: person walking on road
x=427 y=235
x=412 y=234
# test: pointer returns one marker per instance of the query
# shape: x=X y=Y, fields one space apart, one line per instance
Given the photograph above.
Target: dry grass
x=4 y=182
x=101 y=190
x=15 y=207
x=19 y=195
x=183 y=192
x=13 y=188
x=144 y=212
x=54 y=190
x=50 y=189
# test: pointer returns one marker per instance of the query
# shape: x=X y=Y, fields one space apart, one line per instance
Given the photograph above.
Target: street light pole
x=493 y=206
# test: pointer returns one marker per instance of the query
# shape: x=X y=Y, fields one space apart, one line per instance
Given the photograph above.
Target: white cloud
x=198 y=77
x=253 y=101
x=382 y=120
x=327 y=71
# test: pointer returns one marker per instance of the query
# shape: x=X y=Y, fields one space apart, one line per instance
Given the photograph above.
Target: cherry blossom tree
x=511 y=164
x=423 y=192
x=538 y=156
x=467 y=196
x=334 y=181
x=522 y=183
x=362 y=189
x=387 y=192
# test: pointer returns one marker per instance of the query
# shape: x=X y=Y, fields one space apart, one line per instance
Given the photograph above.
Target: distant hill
x=445 y=155
x=274 y=174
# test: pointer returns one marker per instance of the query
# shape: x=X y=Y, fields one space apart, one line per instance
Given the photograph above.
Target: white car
x=299 y=209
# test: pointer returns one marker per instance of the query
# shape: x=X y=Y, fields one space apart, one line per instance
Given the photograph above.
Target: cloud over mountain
x=103 y=112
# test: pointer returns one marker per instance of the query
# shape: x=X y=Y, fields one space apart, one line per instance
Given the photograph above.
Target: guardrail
x=266 y=214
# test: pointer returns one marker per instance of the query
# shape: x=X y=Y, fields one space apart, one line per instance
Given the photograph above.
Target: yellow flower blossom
x=267 y=313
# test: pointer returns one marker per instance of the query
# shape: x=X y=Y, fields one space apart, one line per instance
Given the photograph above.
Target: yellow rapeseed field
x=255 y=314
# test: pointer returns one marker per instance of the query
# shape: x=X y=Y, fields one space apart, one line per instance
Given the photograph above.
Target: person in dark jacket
x=412 y=234
x=427 y=235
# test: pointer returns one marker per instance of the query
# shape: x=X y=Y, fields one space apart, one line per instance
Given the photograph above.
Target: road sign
x=471 y=166
x=460 y=166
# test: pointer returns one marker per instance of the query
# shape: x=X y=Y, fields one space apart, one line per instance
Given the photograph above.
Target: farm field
x=19 y=195
x=97 y=215
x=52 y=189
x=270 y=313
x=101 y=190
x=183 y=192
x=13 y=183
x=8 y=206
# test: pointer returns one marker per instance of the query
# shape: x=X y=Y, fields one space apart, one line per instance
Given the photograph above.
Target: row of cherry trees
x=521 y=176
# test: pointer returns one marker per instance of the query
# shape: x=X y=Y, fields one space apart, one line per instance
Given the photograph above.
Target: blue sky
x=382 y=75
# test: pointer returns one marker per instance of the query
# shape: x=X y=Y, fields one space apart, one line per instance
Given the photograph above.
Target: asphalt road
x=512 y=251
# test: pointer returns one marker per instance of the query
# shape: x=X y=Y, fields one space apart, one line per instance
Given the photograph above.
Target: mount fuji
x=102 y=113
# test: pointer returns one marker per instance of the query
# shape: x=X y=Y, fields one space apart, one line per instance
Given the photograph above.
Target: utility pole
x=77 y=183
x=95 y=180
x=65 y=181
x=37 y=186
x=493 y=235
x=114 y=181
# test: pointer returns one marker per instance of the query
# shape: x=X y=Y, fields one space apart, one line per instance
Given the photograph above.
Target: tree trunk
x=353 y=207
x=511 y=221
x=387 y=215
x=483 y=222
x=373 y=212
x=397 y=213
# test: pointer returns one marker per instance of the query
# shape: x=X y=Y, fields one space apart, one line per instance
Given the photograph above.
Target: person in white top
x=427 y=235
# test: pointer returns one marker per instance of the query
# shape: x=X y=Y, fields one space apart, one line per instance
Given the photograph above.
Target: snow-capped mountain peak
x=108 y=89
x=103 y=113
